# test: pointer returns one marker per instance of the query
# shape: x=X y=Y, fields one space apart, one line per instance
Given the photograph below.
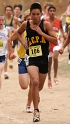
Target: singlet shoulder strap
x=11 y=21
x=28 y=25
x=5 y=21
x=10 y=24
x=41 y=24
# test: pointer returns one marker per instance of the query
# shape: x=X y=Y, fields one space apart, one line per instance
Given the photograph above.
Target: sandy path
x=54 y=105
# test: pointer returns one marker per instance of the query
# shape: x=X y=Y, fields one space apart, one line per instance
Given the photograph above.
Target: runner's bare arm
x=62 y=16
x=68 y=11
x=52 y=36
x=22 y=28
x=61 y=28
x=67 y=41
x=17 y=22
x=10 y=39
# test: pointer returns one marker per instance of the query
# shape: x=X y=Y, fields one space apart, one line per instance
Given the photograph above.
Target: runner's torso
x=38 y=45
x=55 y=25
x=56 y=28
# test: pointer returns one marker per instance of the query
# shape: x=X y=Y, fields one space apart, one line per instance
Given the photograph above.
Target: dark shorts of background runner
x=22 y=66
x=2 y=59
x=15 y=42
x=41 y=62
x=66 y=27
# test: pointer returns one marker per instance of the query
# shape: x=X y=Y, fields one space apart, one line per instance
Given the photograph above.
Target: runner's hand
x=12 y=56
x=61 y=50
x=25 y=45
x=37 y=29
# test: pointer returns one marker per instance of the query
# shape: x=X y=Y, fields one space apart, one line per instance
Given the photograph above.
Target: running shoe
x=28 y=109
x=56 y=81
x=36 y=117
x=49 y=84
x=6 y=75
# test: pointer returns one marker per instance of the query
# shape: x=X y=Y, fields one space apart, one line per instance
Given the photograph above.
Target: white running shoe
x=28 y=109
x=6 y=75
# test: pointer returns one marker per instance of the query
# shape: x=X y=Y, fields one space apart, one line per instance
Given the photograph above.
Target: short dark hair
x=18 y=5
x=9 y=7
x=36 y=6
x=52 y=7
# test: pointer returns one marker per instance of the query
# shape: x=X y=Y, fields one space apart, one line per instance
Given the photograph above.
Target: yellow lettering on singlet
x=32 y=39
x=37 y=39
x=43 y=40
x=30 y=43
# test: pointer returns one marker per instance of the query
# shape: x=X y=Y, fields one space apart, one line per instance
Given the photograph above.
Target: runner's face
x=36 y=16
x=1 y=21
x=52 y=12
x=8 y=11
x=17 y=11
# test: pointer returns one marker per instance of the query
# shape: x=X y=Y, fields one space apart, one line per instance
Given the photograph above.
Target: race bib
x=35 y=51
x=1 y=44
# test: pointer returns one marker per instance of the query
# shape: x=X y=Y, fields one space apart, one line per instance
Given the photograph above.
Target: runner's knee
x=35 y=82
x=23 y=86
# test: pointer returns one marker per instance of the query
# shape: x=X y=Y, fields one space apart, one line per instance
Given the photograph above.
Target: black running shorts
x=41 y=62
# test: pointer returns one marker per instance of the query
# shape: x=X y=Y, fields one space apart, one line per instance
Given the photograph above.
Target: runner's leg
x=1 y=69
x=55 y=65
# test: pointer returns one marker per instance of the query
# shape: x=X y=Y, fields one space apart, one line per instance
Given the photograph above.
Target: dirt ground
x=54 y=105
